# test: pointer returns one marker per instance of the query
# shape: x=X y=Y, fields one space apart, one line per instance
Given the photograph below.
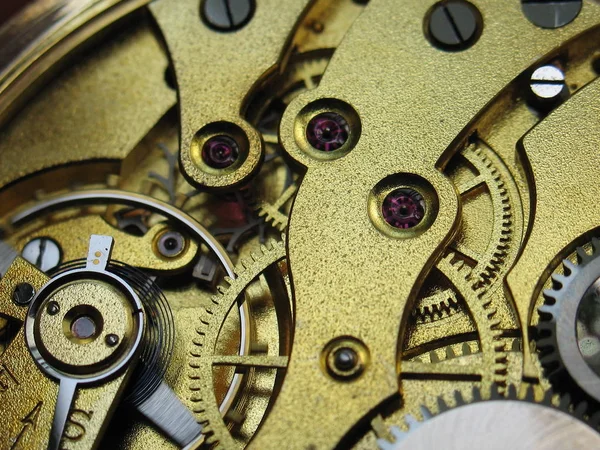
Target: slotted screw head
x=551 y=13
x=227 y=15
x=453 y=25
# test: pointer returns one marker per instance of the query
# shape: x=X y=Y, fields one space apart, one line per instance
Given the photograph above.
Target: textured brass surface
x=111 y=314
x=138 y=251
x=76 y=117
x=28 y=396
x=452 y=304
x=212 y=93
x=337 y=237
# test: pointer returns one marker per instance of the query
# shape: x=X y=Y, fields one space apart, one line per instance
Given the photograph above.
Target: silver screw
x=44 y=253
x=548 y=85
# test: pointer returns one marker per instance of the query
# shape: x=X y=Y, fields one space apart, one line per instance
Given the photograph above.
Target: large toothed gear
x=483 y=314
x=204 y=355
x=568 y=339
x=496 y=422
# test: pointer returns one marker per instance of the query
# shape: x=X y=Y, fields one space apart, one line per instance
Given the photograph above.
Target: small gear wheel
x=569 y=330
x=217 y=417
x=482 y=312
x=483 y=422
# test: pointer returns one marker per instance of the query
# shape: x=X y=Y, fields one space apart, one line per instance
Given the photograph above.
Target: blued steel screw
x=111 y=340
x=551 y=13
x=345 y=359
x=227 y=15
x=23 y=294
x=454 y=25
x=52 y=308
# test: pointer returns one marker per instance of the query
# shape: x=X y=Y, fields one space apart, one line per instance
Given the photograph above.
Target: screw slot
x=227 y=15
x=551 y=14
x=44 y=253
x=453 y=25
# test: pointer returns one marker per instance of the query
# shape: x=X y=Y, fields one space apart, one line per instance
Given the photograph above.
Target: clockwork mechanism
x=304 y=224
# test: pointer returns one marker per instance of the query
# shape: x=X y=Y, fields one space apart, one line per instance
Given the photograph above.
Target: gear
x=490 y=169
x=304 y=74
x=569 y=339
x=204 y=355
x=483 y=422
x=453 y=351
x=488 y=262
x=437 y=306
x=491 y=346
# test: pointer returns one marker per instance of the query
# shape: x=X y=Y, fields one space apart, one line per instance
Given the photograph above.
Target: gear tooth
x=565 y=402
x=222 y=290
x=458 y=397
x=596 y=245
x=546 y=309
x=397 y=434
x=582 y=255
x=548 y=359
x=476 y=392
x=450 y=353
x=516 y=345
x=442 y=405
x=530 y=394
x=426 y=413
x=242 y=266
x=466 y=349
x=594 y=420
x=411 y=421
x=580 y=410
x=512 y=392
x=569 y=266
x=560 y=279
x=434 y=357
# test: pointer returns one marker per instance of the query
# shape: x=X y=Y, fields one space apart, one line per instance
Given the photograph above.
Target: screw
x=345 y=359
x=548 y=86
x=327 y=131
x=52 y=308
x=44 y=253
x=551 y=13
x=403 y=208
x=454 y=25
x=111 y=340
x=220 y=152
x=23 y=294
x=227 y=15
x=171 y=244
